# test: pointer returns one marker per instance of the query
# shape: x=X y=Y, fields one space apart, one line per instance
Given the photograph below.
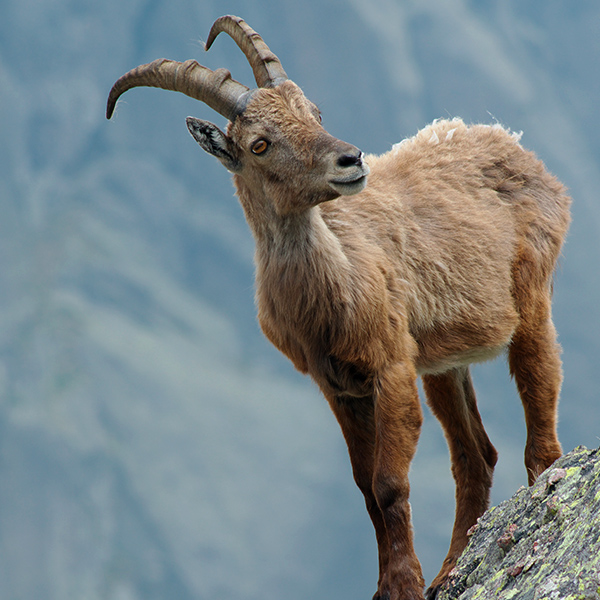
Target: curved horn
x=215 y=88
x=266 y=67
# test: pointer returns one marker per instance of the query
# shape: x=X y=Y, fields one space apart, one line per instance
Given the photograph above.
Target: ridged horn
x=266 y=67
x=215 y=88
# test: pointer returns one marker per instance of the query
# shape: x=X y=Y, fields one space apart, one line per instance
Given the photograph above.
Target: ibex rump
x=444 y=259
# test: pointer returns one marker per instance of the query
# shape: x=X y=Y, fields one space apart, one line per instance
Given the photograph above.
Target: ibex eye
x=259 y=146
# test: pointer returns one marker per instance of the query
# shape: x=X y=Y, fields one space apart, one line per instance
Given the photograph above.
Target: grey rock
x=543 y=543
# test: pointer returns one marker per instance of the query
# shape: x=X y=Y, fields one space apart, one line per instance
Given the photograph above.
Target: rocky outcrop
x=543 y=543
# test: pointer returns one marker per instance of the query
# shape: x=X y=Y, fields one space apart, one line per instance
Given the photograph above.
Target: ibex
x=445 y=258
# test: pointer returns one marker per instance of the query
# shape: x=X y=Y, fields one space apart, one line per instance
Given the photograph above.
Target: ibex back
x=445 y=258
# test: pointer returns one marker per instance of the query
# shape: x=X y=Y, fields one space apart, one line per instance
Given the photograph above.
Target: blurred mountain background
x=153 y=445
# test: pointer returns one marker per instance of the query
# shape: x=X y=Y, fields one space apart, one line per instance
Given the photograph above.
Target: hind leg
x=534 y=360
x=451 y=398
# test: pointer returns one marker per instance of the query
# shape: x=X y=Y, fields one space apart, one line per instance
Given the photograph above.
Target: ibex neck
x=292 y=234
x=297 y=252
x=303 y=239
x=305 y=285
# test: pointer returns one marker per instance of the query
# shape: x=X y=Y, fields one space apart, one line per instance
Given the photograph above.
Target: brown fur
x=444 y=259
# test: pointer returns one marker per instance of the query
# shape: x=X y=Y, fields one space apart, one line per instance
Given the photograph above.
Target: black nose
x=349 y=160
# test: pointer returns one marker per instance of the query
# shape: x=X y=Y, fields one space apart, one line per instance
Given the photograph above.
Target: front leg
x=398 y=420
x=356 y=417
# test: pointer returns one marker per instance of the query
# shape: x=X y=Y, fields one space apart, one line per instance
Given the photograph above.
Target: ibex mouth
x=351 y=186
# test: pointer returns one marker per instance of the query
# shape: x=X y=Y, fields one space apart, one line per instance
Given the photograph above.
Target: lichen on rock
x=542 y=544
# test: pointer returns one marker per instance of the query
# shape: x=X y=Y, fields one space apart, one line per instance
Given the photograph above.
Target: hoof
x=432 y=592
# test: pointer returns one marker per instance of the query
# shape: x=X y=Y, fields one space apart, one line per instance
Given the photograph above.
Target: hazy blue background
x=152 y=444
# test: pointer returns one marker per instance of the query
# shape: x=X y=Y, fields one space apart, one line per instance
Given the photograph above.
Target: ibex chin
x=445 y=258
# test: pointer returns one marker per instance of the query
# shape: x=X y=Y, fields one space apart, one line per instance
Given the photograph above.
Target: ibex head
x=274 y=140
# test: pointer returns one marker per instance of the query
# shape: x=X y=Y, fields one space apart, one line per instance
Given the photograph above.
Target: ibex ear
x=213 y=141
